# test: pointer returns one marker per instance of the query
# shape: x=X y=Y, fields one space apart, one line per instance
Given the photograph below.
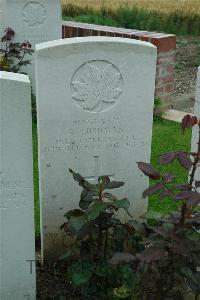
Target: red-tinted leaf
x=183 y=195
x=168 y=177
x=165 y=193
x=197 y=183
x=148 y=170
x=184 y=160
x=152 y=189
x=194 y=199
x=192 y=121
x=151 y=254
x=188 y=121
x=183 y=187
x=121 y=258
x=167 y=158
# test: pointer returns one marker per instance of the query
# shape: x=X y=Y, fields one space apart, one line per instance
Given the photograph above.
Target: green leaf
x=113 y=185
x=123 y=203
x=193 y=278
x=139 y=227
x=80 y=272
x=94 y=210
x=193 y=235
x=152 y=215
x=74 y=213
x=84 y=183
x=109 y=196
x=81 y=277
x=87 y=198
x=77 y=222
x=66 y=255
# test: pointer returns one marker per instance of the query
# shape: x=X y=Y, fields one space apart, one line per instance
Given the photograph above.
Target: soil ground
x=51 y=281
x=187 y=62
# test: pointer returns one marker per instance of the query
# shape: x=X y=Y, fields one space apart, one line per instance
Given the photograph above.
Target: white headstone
x=37 y=21
x=196 y=113
x=95 y=100
x=17 y=240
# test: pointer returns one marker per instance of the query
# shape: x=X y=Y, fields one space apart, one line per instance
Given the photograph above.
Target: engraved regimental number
x=34 y=14
x=96 y=86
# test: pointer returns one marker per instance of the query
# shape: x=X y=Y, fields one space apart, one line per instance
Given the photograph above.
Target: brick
x=159 y=91
x=168 y=79
x=146 y=38
x=117 y=34
x=169 y=88
x=74 y=32
x=170 y=68
x=167 y=58
x=95 y=32
x=87 y=32
x=81 y=32
x=103 y=33
x=164 y=43
x=67 y=32
x=110 y=33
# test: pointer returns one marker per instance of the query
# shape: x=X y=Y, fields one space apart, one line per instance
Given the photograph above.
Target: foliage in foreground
x=97 y=234
x=13 y=55
x=157 y=259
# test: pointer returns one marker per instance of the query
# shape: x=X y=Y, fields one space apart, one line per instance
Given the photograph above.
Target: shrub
x=157 y=259
x=96 y=234
x=13 y=55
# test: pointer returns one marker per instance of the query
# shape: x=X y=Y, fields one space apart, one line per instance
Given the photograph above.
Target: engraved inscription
x=13 y=194
x=96 y=86
x=96 y=172
x=34 y=14
x=94 y=134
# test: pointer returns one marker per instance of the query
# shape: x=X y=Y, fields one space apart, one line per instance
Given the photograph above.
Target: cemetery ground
x=51 y=283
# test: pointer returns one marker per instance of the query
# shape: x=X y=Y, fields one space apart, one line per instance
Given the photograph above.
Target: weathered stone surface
x=196 y=113
x=34 y=20
x=95 y=100
x=17 y=239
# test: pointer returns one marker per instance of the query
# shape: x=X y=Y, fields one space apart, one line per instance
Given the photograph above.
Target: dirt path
x=187 y=62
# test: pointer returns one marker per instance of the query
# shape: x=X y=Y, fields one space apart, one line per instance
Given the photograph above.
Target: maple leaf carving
x=34 y=14
x=96 y=85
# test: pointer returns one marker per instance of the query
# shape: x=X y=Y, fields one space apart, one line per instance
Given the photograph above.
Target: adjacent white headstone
x=95 y=100
x=196 y=113
x=37 y=21
x=17 y=240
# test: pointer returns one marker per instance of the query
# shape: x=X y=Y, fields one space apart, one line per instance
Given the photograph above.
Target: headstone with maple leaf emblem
x=95 y=100
x=35 y=21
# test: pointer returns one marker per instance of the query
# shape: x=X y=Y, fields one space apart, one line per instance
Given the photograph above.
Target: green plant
x=157 y=259
x=171 y=258
x=13 y=55
x=95 y=234
x=157 y=114
x=150 y=16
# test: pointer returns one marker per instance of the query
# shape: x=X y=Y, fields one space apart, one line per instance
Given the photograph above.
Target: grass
x=36 y=180
x=166 y=137
x=178 y=17
x=189 y=7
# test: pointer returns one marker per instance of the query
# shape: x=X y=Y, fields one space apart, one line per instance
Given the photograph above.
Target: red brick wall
x=165 y=43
